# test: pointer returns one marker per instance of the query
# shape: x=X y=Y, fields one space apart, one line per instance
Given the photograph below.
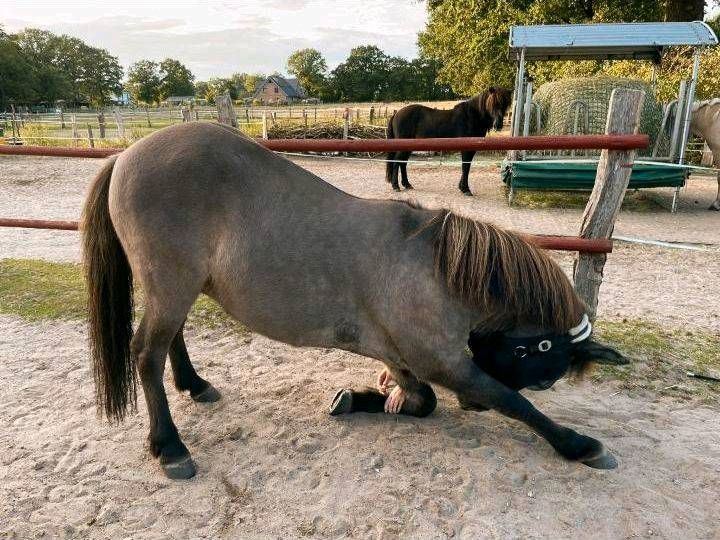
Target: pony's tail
x=390 y=134
x=110 y=303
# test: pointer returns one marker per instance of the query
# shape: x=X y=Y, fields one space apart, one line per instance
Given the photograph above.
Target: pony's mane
x=707 y=103
x=495 y=97
x=498 y=270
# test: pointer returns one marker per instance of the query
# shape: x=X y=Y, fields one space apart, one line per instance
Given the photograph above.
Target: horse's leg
x=186 y=378
x=716 y=205
x=418 y=398
x=403 y=157
x=476 y=388
x=467 y=158
x=165 y=312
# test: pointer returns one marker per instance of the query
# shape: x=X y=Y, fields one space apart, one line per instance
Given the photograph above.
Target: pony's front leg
x=476 y=388
x=410 y=397
x=716 y=205
x=467 y=158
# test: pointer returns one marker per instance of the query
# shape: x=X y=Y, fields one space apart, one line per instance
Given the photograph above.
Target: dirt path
x=273 y=464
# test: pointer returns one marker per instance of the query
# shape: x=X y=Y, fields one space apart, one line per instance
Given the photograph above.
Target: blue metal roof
x=641 y=41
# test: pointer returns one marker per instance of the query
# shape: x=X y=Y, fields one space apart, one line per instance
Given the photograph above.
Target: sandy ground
x=272 y=464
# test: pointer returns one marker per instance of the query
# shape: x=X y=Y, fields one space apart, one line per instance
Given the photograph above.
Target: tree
x=39 y=49
x=310 y=68
x=17 y=80
x=469 y=38
x=363 y=76
x=218 y=86
x=102 y=75
x=144 y=82
x=176 y=79
x=201 y=88
x=684 y=10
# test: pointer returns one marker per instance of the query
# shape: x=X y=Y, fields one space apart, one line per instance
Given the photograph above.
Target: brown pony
x=198 y=208
x=471 y=118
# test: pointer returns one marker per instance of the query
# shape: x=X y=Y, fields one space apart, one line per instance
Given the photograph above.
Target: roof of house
x=640 y=41
x=290 y=87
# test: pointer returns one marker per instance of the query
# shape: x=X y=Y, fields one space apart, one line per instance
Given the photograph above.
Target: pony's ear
x=492 y=90
x=592 y=351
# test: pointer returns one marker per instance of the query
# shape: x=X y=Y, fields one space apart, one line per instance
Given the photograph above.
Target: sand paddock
x=273 y=464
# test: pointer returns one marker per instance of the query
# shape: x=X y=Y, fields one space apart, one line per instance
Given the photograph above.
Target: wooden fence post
x=186 y=114
x=73 y=121
x=611 y=181
x=101 y=124
x=264 y=125
x=13 y=123
x=346 y=123
x=226 y=113
x=372 y=115
x=90 y=136
x=304 y=113
x=62 y=120
x=147 y=117
x=119 y=123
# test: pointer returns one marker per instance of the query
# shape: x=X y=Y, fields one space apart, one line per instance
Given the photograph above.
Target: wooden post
x=197 y=115
x=357 y=115
x=316 y=115
x=62 y=120
x=101 y=124
x=611 y=181
x=90 y=136
x=186 y=115
x=75 y=137
x=119 y=123
x=13 y=122
x=304 y=112
x=226 y=113
x=372 y=115
x=264 y=125
x=247 y=116
x=273 y=117
x=147 y=116
x=346 y=123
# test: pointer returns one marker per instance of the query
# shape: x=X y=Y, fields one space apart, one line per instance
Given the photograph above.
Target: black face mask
x=535 y=362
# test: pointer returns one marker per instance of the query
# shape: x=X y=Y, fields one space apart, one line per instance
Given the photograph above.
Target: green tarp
x=570 y=175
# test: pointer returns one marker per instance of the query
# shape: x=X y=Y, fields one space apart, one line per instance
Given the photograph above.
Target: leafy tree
x=363 y=76
x=310 y=68
x=176 y=79
x=218 y=86
x=50 y=82
x=201 y=88
x=102 y=75
x=684 y=10
x=144 y=82
x=246 y=83
x=17 y=80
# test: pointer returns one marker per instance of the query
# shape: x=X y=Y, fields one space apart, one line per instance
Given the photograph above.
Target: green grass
x=634 y=201
x=39 y=290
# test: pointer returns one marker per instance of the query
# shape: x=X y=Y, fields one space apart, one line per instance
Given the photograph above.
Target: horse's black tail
x=390 y=134
x=110 y=302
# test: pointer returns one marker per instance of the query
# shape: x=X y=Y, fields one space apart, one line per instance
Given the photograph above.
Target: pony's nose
x=542 y=385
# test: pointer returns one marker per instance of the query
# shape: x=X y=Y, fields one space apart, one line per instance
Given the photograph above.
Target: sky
x=217 y=38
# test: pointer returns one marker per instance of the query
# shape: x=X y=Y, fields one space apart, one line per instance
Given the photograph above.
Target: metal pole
x=688 y=119
x=528 y=110
x=679 y=111
x=519 y=81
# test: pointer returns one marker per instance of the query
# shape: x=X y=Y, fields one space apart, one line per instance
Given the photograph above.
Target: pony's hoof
x=468 y=193
x=408 y=187
x=209 y=395
x=181 y=469
x=604 y=461
x=715 y=206
x=396 y=189
x=341 y=403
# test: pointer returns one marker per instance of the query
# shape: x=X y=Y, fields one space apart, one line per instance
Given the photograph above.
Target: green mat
x=581 y=175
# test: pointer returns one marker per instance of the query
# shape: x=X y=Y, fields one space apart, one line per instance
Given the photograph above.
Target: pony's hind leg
x=716 y=204
x=403 y=157
x=165 y=314
x=186 y=378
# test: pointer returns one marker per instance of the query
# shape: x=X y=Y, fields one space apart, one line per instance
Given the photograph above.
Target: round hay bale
x=581 y=105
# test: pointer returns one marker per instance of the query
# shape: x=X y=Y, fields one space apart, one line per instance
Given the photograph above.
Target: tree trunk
x=684 y=10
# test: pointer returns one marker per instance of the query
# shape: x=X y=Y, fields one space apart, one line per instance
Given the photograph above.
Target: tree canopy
x=310 y=68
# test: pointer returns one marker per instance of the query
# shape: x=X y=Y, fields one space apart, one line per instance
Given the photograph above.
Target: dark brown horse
x=199 y=208
x=471 y=118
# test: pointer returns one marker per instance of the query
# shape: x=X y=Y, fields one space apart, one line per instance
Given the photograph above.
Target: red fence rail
x=480 y=144
x=560 y=243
